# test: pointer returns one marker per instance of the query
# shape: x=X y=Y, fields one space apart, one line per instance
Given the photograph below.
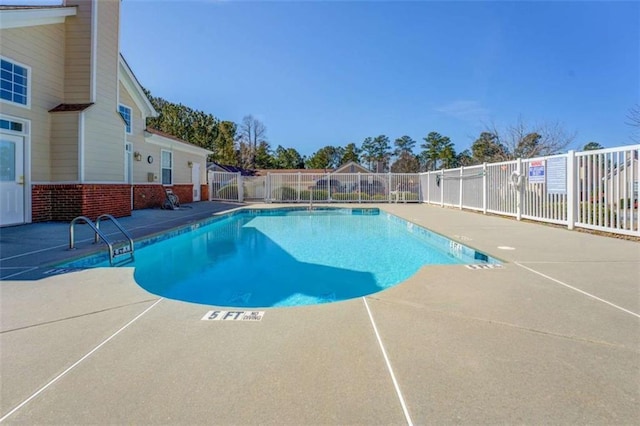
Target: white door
x=195 y=179
x=11 y=179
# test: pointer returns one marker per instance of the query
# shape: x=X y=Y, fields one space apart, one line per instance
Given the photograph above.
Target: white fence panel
x=472 y=180
x=544 y=186
x=502 y=188
x=254 y=187
x=607 y=190
x=225 y=186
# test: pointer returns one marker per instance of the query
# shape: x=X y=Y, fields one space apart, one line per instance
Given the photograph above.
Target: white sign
x=557 y=175
x=536 y=171
x=233 y=316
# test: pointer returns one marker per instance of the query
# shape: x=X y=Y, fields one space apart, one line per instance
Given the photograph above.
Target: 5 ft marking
x=233 y=316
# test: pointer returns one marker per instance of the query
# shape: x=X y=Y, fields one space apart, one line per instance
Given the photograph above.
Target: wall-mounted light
x=137 y=156
x=190 y=164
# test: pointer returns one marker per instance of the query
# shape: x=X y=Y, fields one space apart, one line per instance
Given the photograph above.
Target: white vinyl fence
x=316 y=188
x=592 y=189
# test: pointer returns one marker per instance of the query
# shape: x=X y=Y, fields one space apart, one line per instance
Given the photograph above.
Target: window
x=167 y=167
x=10 y=125
x=125 y=112
x=14 y=80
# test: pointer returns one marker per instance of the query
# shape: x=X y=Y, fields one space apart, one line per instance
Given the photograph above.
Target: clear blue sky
x=329 y=73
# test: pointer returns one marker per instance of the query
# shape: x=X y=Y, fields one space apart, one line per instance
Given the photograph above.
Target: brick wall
x=148 y=196
x=65 y=202
x=204 y=192
x=184 y=192
x=153 y=196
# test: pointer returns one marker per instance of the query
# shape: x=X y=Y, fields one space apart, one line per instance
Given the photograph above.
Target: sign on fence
x=536 y=171
x=557 y=175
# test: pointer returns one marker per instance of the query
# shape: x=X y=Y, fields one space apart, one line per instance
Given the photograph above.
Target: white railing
x=316 y=187
x=592 y=189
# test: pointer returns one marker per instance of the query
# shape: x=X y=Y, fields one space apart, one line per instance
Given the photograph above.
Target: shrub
x=285 y=193
x=353 y=196
x=317 y=194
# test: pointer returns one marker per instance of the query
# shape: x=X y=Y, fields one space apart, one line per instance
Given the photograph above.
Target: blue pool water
x=292 y=257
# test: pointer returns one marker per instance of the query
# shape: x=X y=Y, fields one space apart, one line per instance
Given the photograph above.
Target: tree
x=252 y=133
x=376 y=151
x=262 y=156
x=351 y=153
x=487 y=148
x=196 y=127
x=327 y=157
x=434 y=146
x=448 y=158
x=592 y=146
x=523 y=141
x=406 y=163
x=465 y=159
x=224 y=151
x=403 y=144
x=633 y=120
x=287 y=158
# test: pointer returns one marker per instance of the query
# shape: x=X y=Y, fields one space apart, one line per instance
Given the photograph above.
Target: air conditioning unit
x=151 y=177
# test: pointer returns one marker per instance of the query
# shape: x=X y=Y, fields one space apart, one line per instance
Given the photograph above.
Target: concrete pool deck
x=551 y=337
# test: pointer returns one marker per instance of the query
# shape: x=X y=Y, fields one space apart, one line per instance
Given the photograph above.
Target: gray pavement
x=551 y=337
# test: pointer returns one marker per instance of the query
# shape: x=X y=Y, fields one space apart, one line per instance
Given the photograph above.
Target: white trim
x=18 y=18
x=28 y=68
x=173 y=144
x=130 y=82
x=81 y=147
x=162 y=167
x=94 y=49
x=26 y=135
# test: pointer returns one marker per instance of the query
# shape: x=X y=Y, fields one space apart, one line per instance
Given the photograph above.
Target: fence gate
x=225 y=186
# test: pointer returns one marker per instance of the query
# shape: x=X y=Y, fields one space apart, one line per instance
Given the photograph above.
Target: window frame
x=163 y=168
x=128 y=126
x=27 y=95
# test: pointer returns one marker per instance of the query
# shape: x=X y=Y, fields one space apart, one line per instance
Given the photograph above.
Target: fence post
x=571 y=189
x=484 y=188
x=240 y=181
x=428 y=189
x=519 y=190
x=442 y=188
x=461 y=173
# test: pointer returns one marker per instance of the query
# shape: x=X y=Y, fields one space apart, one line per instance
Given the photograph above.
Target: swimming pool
x=288 y=257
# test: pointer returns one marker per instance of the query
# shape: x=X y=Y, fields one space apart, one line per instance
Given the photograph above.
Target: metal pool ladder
x=114 y=251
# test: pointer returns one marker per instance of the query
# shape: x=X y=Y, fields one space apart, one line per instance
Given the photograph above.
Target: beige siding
x=64 y=146
x=181 y=169
x=42 y=49
x=78 y=53
x=105 y=132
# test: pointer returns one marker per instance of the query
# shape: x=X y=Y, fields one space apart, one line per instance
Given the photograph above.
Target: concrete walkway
x=551 y=337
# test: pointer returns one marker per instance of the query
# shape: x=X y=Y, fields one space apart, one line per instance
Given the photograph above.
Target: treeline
x=245 y=144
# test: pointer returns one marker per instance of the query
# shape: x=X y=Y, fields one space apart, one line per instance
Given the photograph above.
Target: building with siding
x=73 y=139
